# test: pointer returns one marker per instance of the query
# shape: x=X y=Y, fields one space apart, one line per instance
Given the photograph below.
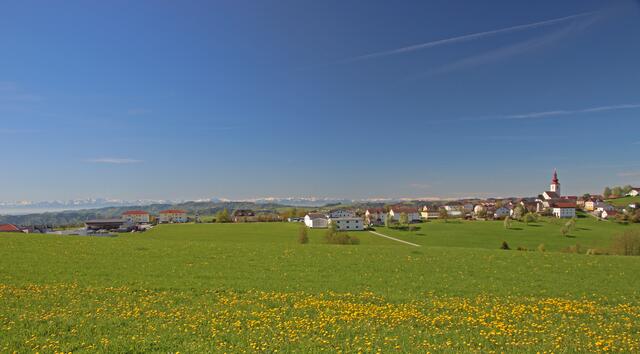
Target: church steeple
x=555 y=183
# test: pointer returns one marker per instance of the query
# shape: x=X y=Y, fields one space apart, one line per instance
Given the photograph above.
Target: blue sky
x=357 y=99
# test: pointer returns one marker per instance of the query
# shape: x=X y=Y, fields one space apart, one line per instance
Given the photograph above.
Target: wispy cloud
x=467 y=37
x=513 y=49
x=113 y=160
x=545 y=114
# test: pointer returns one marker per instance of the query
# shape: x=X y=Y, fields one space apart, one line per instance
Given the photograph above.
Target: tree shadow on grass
x=534 y=225
x=583 y=228
x=515 y=228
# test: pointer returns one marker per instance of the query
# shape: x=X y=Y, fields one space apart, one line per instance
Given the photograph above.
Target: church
x=553 y=201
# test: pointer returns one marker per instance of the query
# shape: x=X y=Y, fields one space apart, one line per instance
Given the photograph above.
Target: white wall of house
x=375 y=216
x=633 y=193
x=347 y=224
x=173 y=217
x=564 y=213
x=415 y=216
x=431 y=214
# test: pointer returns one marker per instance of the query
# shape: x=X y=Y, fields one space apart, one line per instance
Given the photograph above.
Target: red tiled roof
x=135 y=212
x=403 y=209
x=376 y=210
x=173 y=211
x=9 y=228
x=564 y=205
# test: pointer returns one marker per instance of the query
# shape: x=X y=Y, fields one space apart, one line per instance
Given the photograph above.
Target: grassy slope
x=589 y=233
x=624 y=202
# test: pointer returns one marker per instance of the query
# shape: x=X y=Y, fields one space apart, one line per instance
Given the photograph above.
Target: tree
x=507 y=223
x=529 y=218
x=404 y=219
x=607 y=192
x=626 y=189
x=388 y=220
x=223 y=216
x=564 y=231
x=519 y=211
x=443 y=214
x=302 y=235
x=586 y=196
x=617 y=191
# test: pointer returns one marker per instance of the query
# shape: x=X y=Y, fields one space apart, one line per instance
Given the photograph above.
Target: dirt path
x=394 y=239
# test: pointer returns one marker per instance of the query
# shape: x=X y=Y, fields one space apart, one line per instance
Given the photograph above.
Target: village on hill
x=549 y=203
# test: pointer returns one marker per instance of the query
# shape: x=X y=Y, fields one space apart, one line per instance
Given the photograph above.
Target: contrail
x=467 y=37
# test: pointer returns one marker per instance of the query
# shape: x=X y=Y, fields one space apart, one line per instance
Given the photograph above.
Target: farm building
x=105 y=224
x=316 y=221
x=430 y=212
x=9 y=228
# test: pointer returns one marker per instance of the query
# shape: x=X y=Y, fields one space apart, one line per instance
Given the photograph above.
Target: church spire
x=555 y=177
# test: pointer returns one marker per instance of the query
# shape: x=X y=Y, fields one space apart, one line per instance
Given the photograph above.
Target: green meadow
x=253 y=287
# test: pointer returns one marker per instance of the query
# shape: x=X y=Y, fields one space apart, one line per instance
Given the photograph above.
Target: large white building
x=173 y=216
x=347 y=224
x=316 y=221
x=136 y=216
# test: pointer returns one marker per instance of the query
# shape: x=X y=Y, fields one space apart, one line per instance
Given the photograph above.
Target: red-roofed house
x=634 y=192
x=563 y=209
x=375 y=216
x=136 y=216
x=173 y=216
x=412 y=213
x=9 y=228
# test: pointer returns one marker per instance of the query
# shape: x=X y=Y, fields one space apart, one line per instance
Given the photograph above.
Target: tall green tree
x=607 y=192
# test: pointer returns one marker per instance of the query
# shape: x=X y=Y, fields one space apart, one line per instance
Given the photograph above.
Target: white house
x=173 y=216
x=604 y=207
x=136 y=216
x=375 y=216
x=479 y=209
x=412 y=213
x=563 y=209
x=342 y=213
x=608 y=214
x=348 y=224
x=316 y=221
x=634 y=192
x=430 y=212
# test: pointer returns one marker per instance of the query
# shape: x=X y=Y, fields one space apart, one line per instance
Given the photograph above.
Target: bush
x=541 y=248
x=303 y=238
x=627 y=243
x=342 y=238
x=333 y=236
x=504 y=246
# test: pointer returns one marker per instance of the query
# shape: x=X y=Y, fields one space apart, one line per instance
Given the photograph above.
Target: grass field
x=624 y=201
x=250 y=287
